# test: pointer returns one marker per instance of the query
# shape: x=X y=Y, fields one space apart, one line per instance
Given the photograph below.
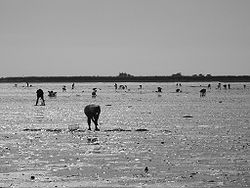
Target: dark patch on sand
x=117 y=130
x=141 y=130
x=48 y=130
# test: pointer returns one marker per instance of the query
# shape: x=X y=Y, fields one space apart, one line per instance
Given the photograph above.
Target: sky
x=139 y=37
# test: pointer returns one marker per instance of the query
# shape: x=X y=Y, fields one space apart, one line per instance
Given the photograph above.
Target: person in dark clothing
x=39 y=94
x=203 y=92
x=93 y=111
x=159 y=89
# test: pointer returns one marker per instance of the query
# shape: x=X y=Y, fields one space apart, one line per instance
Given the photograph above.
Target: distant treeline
x=126 y=79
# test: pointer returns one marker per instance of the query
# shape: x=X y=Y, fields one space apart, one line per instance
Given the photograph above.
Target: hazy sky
x=140 y=37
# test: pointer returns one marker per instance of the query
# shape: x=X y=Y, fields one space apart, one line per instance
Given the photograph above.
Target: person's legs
x=95 y=120
x=43 y=101
x=37 y=99
x=89 y=122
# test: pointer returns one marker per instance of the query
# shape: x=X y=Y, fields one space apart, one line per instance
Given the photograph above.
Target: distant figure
x=178 y=90
x=140 y=86
x=203 y=92
x=92 y=112
x=159 y=89
x=115 y=86
x=228 y=86
x=15 y=85
x=64 y=88
x=209 y=86
x=225 y=86
x=27 y=84
x=244 y=86
x=122 y=87
x=39 y=94
x=73 y=86
x=219 y=86
x=178 y=85
x=52 y=94
x=94 y=94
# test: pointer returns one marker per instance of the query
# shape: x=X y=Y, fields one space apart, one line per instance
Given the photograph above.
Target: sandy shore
x=168 y=140
x=125 y=158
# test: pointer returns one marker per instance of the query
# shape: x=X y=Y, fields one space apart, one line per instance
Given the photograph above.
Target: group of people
x=120 y=86
x=65 y=89
x=40 y=93
x=225 y=86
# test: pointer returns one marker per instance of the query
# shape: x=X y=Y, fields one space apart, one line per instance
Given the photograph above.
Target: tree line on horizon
x=124 y=74
x=125 y=77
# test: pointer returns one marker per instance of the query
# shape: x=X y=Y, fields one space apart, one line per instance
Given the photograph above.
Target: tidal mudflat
x=146 y=139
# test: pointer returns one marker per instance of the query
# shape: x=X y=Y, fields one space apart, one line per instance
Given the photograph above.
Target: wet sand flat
x=147 y=139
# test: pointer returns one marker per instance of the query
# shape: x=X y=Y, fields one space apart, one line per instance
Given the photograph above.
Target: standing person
x=94 y=92
x=219 y=86
x=73 y=86
x=39 y=94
